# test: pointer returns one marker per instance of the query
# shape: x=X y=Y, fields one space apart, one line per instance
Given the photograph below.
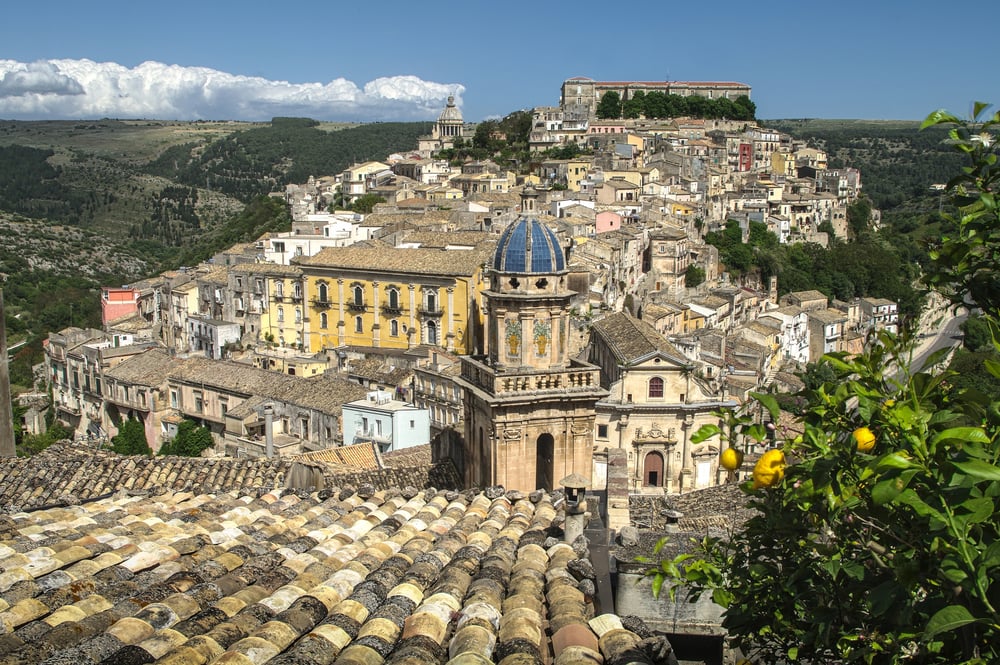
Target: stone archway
x=652 y=470
x=544 y=453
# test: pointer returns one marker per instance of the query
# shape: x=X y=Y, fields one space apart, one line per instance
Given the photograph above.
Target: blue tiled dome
x=528 y=246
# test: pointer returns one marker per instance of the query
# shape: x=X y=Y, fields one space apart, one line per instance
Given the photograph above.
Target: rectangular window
x=602 y=431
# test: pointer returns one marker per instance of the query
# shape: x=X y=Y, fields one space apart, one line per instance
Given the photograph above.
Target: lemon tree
x=880 y=542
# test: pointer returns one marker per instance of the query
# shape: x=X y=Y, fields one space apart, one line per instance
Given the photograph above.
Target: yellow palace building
x=393 y=297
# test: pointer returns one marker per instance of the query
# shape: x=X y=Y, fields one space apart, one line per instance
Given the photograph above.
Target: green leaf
x=659 y=545
x=887 y=490
x=937 y=118
x=911 y=499
x=978 y=469
x=896 y=461
x=657 y=584
x=992 y=557
x=948 y=618
x=992 y=366
x=969 y=434
x=977 y=510
x=705 y=432
x=769 y=403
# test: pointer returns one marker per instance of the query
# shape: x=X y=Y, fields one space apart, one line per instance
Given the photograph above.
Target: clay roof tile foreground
x=340 y=575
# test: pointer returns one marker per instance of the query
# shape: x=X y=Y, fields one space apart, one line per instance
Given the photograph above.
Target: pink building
x=608 y=221
x=116 y=303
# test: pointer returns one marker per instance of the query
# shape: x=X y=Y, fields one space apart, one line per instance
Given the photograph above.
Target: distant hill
x=111 y=201
x=898 y=162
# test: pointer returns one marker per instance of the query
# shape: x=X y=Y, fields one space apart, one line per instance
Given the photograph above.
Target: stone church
x=529 y=406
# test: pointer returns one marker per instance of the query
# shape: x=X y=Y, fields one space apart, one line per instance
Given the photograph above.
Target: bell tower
x=529 y=407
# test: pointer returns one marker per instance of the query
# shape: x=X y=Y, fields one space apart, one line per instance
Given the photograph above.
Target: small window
x=602 y=431
x=281 y=315
x=656 y=387
x=394 y=328
x=359 y=325
x=323 y=320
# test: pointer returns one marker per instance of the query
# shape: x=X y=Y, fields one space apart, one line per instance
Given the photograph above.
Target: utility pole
x=6 y=413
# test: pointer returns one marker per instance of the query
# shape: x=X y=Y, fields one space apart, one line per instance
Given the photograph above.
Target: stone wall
x=618 y=508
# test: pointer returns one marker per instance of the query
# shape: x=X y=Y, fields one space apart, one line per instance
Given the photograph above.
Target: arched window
x=323 y=292
x=431 y=301
x=359 y=295
x=394 y=328
x=298 y=315
x=393 y=295
x=281 y=315
x=279 y=288
x=297 y=289
x=323 y=320
x=359 y=325
x=656 y=388
x=432 y=335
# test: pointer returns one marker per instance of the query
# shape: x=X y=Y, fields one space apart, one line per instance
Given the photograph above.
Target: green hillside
x=85 y=204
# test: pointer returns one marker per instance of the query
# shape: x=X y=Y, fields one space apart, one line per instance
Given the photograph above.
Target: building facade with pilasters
x=394 y=298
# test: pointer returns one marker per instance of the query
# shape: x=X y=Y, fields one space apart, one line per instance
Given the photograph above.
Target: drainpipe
x=269 y=430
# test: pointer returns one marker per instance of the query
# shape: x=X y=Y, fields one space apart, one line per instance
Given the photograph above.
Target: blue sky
x=882 y=59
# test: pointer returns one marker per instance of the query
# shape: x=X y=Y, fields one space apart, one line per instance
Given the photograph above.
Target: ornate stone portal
x=529 y=407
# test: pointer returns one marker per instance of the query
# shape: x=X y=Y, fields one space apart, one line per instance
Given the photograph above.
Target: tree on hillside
x=693 y=276
x=190 y=440
x=131 y=439
x=484 y=136
x=635 y=105
x=859 y=216
x=875 y=536
x=610 y=106
x=366 y=203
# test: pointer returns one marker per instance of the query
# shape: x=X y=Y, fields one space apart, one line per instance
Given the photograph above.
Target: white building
x=210 y=336
x=392 y=424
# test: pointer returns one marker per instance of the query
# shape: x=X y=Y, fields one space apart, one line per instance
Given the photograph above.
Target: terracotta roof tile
x=289 y=577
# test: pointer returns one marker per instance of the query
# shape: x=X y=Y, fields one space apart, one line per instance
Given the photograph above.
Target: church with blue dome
x=529 y=406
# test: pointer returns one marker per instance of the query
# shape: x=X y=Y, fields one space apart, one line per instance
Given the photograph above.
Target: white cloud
x=70 y=89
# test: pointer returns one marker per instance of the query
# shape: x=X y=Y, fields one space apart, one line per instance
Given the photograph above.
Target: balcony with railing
x=511 y=383
x=355 y=306
x=430 y=310
x=392 y=310
x=321 y=304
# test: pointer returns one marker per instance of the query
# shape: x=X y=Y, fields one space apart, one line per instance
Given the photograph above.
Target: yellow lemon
x=864 y=438
x=769 y=469
x=731 y=459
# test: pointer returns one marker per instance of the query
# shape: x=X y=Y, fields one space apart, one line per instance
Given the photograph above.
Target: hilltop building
x=585 y=93
x=449 y=126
